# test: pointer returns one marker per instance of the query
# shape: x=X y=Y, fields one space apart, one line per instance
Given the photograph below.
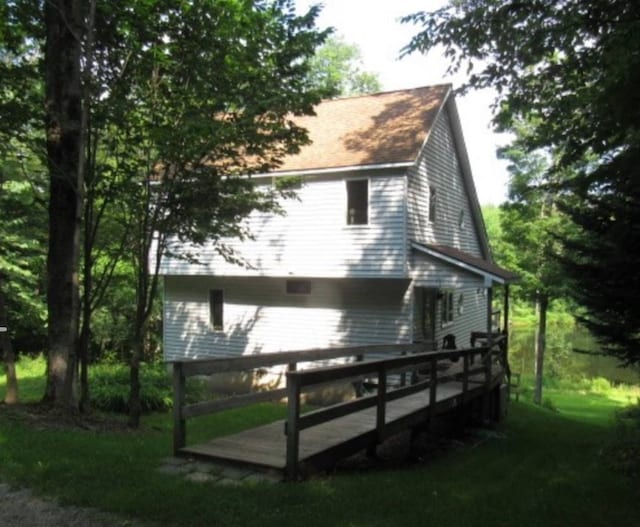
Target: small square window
x=216 y=309
x=358 y=202
x=298 y=287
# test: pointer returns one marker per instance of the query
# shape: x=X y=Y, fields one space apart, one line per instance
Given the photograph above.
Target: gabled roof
x=381 y=129
x=470 y=263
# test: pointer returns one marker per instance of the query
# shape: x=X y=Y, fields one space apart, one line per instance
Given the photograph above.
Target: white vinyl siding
x=431 y=272
x=474 y=317
x=260 y=317
x=439 y=169
x=312 y=238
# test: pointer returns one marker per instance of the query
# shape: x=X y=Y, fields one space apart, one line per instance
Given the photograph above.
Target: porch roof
x=487 y=269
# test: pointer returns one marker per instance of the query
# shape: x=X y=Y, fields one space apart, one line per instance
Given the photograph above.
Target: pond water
x=561 y=360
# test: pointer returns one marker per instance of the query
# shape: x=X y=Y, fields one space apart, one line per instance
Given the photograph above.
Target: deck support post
x=465 y=376
x=179 y=424
x=382 y=402
x=293 y=427
x=433 y=387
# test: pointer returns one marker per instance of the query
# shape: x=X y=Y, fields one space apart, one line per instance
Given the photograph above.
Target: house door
x=425 y=302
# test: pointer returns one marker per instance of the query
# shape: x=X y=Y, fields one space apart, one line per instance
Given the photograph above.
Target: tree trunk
x=11 y=393
x=63 y=119
x=135 y=406
x=542 y=304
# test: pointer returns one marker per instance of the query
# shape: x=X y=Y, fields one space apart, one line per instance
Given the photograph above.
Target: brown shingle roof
x=383 y=128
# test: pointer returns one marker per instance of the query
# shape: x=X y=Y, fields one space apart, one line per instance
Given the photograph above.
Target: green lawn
x=542 y=467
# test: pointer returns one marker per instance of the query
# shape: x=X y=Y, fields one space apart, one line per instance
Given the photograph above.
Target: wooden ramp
x=265 y=447
x=441 y=381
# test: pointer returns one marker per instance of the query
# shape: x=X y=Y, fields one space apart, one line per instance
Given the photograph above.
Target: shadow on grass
x=539 y=468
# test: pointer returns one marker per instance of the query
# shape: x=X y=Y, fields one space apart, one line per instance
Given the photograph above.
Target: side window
x=358 y=202
x=447 y=307
x=216 y=309
x=433 y=203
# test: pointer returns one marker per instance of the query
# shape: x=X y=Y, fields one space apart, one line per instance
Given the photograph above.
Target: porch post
x=506 y=309
x=489 y=312
x=505 y=332
x=486 y=398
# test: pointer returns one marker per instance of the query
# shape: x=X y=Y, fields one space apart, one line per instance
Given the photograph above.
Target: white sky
x=374 y=26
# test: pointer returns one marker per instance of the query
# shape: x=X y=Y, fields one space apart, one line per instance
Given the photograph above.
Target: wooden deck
x=265 y=447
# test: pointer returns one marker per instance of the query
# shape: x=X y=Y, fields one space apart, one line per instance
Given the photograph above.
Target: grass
x=540 y=467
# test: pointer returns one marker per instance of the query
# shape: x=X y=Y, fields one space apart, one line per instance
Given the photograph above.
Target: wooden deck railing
x=298 y=381
x=423 y=367
x=185 y=369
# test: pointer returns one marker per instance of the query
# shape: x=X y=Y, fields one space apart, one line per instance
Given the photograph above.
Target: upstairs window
x=433 y=204
x=216 y=309
x=358 y=202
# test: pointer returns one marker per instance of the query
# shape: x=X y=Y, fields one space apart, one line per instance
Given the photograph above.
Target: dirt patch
x=40 y=416
x=20 y=507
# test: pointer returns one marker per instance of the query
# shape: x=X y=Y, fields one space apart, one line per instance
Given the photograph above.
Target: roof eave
x=336 y=170
x=489 y=277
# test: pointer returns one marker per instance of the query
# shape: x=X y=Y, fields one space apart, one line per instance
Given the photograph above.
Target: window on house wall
x=461 y=220
x=447 y=307
x=358 y=202
x=433 y=203
x=461 y=304
x=298 y=287
x=216 y=309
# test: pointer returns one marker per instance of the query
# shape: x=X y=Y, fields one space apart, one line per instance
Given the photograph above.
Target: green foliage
x=187 y=102
x=22 y=242
x=336 y=69
x=110 y=388
x=571 y=69
x=531 y=222
x=603 y=257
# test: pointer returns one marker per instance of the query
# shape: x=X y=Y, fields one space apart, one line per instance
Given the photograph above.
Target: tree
x=531 y=225
x=336 y=69
x=159 y=114
x=23 y=225
x=189 y=101
x=572 y=68
x=22 y=236
x=64 y=25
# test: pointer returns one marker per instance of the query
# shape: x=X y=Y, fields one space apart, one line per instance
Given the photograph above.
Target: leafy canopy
x=336 y=68
x=572 y=68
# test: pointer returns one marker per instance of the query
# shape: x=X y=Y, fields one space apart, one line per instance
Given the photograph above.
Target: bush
x=109 y=388
x=624 y=451
x=600 y=385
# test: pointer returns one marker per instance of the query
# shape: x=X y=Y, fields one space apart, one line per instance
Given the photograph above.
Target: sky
x=374 y=26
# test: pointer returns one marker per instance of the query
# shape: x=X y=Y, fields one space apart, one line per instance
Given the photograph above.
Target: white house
x=385 y=243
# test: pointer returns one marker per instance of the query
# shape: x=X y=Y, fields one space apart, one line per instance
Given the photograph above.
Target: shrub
x=600 y=385
x=109 y=388
x=549 y=405
x=624 y=451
